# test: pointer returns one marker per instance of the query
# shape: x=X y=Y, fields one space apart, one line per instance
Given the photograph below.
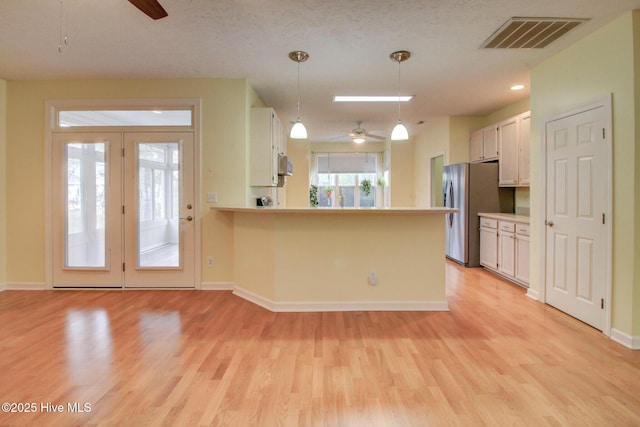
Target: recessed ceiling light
x=517 y=87
x=341 y=98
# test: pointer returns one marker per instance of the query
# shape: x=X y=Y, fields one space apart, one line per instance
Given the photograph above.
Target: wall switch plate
x=212 y=197
x=210 y=261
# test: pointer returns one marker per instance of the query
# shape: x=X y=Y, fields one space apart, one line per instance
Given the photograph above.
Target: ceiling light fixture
x=298 y=131
x=359 y=139
x=517 y=87
x=373 y=98
x=399 y=132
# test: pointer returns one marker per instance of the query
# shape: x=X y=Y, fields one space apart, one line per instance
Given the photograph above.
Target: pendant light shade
x=399 y=132
x=298 y=130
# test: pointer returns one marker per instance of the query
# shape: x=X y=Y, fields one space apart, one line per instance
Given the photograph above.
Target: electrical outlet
x=210 y=261
x=212 y=197
x=373 y=279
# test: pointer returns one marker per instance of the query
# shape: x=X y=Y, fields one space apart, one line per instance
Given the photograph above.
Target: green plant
x=365 y=186
x=328 y=190
x=313 y=196
x=381 y=182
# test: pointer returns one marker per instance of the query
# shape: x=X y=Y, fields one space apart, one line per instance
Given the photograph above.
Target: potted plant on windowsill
x=365 y=187
x=313 y=196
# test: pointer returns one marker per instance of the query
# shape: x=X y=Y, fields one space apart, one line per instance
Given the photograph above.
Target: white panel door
x=576 y=202
x=159 y=210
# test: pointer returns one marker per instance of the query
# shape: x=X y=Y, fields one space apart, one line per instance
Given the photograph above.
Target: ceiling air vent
x=528 y=33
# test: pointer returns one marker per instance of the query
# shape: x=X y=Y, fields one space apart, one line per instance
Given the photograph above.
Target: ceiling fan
x=151 y=8
x=360 y=135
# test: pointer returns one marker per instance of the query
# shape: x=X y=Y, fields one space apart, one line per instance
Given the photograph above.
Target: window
x=160 y=117
x=346 y=179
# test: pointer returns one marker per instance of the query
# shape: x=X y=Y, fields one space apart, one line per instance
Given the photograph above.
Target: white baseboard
x=3 y=286
x=533 y=294
x=625 y=339
x=323 y=306
x=216 y=286
x=26 y=286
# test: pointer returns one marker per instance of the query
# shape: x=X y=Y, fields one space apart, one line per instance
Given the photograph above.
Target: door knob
x=189 y=218
x=549 y=223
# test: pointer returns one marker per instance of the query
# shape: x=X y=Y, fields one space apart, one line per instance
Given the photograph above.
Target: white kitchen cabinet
x=489 y=243
x=513 y=138
x=504 y=246
x=524 y=175
x=266 y=143
x=483 y=144
x=522 y=253
x=508 y=142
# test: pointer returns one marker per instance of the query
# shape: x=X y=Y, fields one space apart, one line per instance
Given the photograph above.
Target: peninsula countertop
x=331 y=211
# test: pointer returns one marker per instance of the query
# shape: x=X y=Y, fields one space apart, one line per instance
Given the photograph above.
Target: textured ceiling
x=349 y=42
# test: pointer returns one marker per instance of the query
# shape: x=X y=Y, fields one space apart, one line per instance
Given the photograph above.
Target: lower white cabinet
x=489 y=243
x=504 y=248
x=522 y=253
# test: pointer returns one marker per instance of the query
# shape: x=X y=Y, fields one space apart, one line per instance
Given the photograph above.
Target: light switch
x=212 y=197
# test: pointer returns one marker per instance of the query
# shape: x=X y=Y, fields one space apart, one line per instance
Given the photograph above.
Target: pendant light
x=298 y=131
x=399 y=132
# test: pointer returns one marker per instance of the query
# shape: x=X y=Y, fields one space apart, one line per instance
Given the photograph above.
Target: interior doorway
x=437 y=166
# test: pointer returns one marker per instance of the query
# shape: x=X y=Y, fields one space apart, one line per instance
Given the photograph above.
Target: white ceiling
x=349 y=42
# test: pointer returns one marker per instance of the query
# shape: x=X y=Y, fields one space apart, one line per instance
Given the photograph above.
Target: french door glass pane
x=85 y=204
x=158 y=204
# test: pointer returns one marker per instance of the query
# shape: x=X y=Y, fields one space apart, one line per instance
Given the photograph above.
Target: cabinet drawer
x=522 y=229
x=507 y=226
x=488 y=223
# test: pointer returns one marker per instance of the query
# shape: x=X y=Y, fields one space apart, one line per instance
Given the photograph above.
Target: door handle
x=548 y=223
x=189 y=218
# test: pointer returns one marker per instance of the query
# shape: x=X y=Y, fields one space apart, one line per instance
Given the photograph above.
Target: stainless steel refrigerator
x=471 y=188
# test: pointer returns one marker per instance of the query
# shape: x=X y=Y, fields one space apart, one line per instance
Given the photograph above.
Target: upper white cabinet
x=266 y=143
x=483 y=144
x=513 y=138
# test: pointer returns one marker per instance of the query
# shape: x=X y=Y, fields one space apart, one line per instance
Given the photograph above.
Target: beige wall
x=298 y=184
x=401 y=180
x=572 y=78
x=3 y=183
x=223 y=160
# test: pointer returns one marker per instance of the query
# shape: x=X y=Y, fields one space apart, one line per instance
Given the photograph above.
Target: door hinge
x=122 y=209
x=122 y=152
x=601 y=302
x=603 y=133
x=603 y=219
x=123 y=266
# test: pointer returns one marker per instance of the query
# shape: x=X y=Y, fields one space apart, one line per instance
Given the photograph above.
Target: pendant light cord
x=298 y=89
x=399 y=62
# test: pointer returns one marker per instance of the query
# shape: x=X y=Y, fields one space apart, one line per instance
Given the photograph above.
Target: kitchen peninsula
x=314 y=259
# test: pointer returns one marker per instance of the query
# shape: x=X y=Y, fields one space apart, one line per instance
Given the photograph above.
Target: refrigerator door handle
x=451 y=198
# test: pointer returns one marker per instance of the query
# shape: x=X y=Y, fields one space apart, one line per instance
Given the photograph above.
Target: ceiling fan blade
x=370 y=135
x=151 y=8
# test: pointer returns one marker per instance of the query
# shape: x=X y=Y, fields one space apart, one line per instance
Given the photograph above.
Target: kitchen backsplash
x=522 y=201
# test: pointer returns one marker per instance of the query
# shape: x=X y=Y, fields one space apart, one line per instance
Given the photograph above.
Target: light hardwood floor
x=210 y=358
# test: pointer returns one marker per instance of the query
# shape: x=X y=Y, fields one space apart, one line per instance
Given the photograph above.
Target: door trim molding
x=51 y=109
x=602 y=102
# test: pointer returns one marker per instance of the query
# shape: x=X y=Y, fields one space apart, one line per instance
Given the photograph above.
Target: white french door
x=577 y=214
x=123 y=209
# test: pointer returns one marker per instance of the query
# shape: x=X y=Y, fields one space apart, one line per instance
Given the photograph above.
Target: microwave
x=285 y=167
